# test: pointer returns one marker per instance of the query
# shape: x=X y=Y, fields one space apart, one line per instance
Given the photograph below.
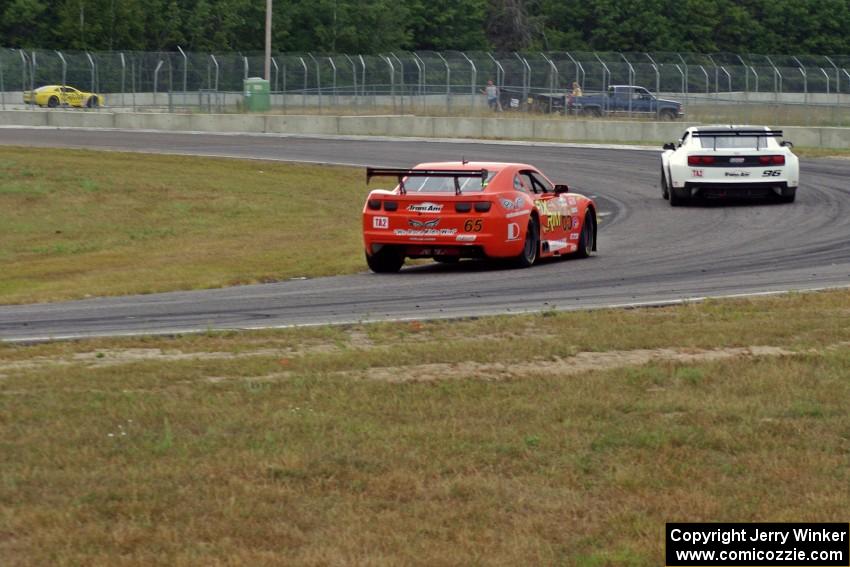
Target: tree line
x=372 y=26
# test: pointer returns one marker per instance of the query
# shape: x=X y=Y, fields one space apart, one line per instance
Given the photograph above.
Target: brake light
x=463 y=207
x=778 y=160
x=390 y=206
x=700 y=160
x=482 y=206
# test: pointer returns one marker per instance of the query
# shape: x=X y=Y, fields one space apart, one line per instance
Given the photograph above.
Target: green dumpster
x=257 y=96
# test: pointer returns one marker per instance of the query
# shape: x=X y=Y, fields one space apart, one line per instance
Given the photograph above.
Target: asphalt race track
x=648 y=251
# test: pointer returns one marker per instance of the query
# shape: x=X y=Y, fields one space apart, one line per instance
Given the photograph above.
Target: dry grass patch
x=264 y=448
x=79 y=223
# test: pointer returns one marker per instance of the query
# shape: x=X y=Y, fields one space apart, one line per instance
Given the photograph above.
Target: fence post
x=91 y=62
x=156 y=79
x=802 y=69
x=318 y=80
x=215 y=62
x=401 y=74
x=605 y=70
x=276 y=74
x=2 y=86
x=304 y=90
x=418 y=78
x=333 y=90
x=24 y=73
x=553 y=79
x=657 y=74
x=64 y=74
x=362 y=76
x=631 y=81
x=123 y=77
x=746 y=76
x=837 y=76
x=353 y=77
x=448 y=82
x=474 y=79
x=185 y=67
x=392 y=79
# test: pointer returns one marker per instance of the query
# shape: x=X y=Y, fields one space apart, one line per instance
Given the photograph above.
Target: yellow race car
x=55 y=95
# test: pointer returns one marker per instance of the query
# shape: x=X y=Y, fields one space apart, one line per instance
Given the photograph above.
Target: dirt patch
x=580 y=363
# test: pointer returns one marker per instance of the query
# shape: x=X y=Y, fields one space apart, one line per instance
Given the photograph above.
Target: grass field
x=79 y=223
x=559 y=438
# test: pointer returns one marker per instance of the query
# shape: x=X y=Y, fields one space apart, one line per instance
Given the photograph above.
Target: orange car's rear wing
x=400 y=174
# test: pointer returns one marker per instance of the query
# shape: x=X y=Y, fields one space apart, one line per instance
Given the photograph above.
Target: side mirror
x=786 y=144
x=669 y=146
x=561 y=188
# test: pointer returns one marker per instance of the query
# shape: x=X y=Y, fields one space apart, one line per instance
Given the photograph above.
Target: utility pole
x=268 y=65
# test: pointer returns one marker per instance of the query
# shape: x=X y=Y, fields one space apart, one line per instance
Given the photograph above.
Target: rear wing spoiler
x=400 y=174
x=736 y=134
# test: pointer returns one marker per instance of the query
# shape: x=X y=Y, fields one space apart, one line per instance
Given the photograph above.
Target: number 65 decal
x=472 y=225
x=772 y=173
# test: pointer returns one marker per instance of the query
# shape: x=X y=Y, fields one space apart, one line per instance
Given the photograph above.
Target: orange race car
x=447 y=211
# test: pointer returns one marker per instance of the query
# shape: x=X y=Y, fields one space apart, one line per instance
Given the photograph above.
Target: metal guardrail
x=174 y=79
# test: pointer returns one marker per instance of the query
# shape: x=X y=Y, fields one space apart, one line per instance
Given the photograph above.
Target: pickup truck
x=624 y=99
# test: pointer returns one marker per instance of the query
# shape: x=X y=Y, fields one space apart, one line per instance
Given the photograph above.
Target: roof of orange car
x=471 y=165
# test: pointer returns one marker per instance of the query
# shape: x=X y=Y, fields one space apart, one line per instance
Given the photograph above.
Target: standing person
x=571 y=98
x=492 y=92
x=576 y=89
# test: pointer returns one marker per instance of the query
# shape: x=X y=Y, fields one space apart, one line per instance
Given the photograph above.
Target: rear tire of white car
x=788 y=195
x=677 y=199
x=665 y=191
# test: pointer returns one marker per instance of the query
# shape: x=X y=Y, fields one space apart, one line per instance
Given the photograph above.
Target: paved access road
x=648 y=252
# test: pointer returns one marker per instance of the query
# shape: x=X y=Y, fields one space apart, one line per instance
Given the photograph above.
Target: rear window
x=734 y=142
x=446 y=184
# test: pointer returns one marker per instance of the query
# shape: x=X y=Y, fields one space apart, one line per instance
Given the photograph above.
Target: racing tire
x=676 y=198
x=587 y=240
x=92 y=102
x=531 y=247
x=387 y=260
x=788 y=195
x=665 y=190
x=52 y=102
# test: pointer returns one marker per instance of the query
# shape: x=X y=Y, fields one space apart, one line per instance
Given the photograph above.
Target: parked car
x=729 y=161
x=625 y=99
x=52 y=96
x=451 y=210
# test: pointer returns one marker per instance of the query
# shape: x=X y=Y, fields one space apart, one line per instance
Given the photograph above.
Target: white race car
x=729 y=161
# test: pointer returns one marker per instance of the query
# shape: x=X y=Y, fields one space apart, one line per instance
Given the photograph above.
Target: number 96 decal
x=772 y=173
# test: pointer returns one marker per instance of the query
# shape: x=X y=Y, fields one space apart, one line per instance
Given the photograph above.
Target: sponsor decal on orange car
x=425 y=208
x=423 y=224
x=425 y=232
x=513 y=231
x=466 y=237
x=380 y=222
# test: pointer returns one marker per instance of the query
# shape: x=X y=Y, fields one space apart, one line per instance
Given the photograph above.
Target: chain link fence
x=728 y=87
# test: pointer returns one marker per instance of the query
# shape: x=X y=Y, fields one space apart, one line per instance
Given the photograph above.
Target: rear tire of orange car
x=587 y=240
x=387 y=260
x=531 y=248
x=52 y=102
